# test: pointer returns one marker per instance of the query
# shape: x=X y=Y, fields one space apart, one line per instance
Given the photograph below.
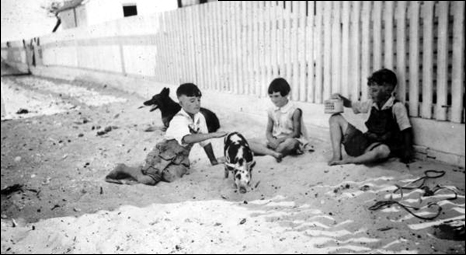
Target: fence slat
x=294 y=51
x=310 y=52
x=224 y=15
x=302 y=50
x=172 y=39
x=355 y=52
x=218 y=46
x=186 y=39
x=243 y=39
x=281 y=46
x=197 y=46
x=365 y=53
x=327 y=75
x=288 y=46
x=377 y=36
x=457 y=89
x=201 y=47
x=236 y=36
x=388 y=37
x=266 y=60
x=161 y=50
x=427 y=63
x=212 y=48
x=189 y=43
x=414 y=59
x=401 y=50
x=230 y=9
x=163 y=47
x=227 y=11
x=319 y=39
x=345 y=49
x=250 y=54
x=275 y=26
x=176 y=55
x=257 y=48
x=442 y=61
x=336 y=48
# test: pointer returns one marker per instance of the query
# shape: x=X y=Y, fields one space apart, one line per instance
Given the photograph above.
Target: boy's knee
x=147 y=180
x=382 y=151
x=335 y=118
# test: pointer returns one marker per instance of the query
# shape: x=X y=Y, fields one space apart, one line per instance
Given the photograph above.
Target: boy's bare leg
x=261 y=149
x=369 y=156
x=123 y=171
x=338 y=126
x=288 y=146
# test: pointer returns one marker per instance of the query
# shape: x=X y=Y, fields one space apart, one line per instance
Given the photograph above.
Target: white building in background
x=77 y=13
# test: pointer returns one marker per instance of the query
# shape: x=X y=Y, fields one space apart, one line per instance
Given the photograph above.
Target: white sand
x=299 y=206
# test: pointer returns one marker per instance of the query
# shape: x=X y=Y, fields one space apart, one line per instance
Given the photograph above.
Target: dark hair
x=383 y=77
x=189 y=90
x=279 y=85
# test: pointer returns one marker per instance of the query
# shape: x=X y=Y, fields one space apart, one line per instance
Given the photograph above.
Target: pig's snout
x=242 y=190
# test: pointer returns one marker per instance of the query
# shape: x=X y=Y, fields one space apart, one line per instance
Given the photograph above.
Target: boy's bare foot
x=344 y=161
x=278 y=157
x=335 y=161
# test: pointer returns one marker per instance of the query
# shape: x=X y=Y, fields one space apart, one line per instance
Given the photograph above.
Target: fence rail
x=319 y=47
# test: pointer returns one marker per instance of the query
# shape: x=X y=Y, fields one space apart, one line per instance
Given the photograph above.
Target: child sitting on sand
x=169 y=159
x=285 y=131
x=389 y=130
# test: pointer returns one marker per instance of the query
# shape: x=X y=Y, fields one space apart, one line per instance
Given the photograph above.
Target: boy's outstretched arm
x=195 y=138
x=408 y=152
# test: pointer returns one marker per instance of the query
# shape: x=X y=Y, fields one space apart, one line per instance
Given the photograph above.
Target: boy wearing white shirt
x=169 y=159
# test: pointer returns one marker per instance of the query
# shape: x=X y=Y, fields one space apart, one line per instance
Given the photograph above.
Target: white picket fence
x=321 y=48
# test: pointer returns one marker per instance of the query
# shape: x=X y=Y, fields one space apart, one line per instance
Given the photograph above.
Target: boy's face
x=379 y=93
x=278 y=100
x=191 y=105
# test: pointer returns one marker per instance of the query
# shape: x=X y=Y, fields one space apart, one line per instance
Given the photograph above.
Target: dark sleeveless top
x=383 y=127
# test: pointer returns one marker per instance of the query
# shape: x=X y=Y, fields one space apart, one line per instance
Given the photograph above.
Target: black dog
x=169 y=108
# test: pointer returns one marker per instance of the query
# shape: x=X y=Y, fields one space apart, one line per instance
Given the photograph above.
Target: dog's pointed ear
x=165 y=91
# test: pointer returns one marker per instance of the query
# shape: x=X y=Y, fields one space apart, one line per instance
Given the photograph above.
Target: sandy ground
x=298 y=206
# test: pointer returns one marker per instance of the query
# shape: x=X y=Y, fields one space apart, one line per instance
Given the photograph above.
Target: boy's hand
x=346 y=101
x=336 y=96
x=218 y=161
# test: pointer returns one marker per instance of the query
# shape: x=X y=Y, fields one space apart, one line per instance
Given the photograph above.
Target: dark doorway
x=130 y=10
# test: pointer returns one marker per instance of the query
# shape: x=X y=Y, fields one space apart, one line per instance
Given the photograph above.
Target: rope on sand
x=428 y=174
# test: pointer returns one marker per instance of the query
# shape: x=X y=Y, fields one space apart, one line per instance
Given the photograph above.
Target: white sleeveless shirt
x=283 y=121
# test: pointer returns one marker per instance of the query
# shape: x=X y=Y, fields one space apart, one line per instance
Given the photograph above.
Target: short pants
x=355 y=141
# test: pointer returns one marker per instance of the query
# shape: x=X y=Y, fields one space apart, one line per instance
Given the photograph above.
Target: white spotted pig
x=239 y=159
